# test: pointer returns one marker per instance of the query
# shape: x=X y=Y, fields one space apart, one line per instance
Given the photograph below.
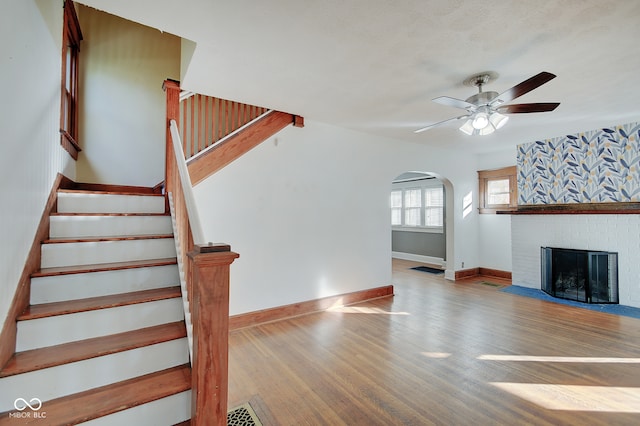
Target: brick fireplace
x=599 y=232
x=562 y=184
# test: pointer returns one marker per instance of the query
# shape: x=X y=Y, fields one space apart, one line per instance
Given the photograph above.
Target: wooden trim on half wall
x=302 y=308
x=32 y=264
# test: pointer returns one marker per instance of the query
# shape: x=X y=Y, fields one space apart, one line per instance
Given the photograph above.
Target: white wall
x=494 y=231
x=30 y=152
x=123 y=65
x=604 y=232
x=310 y=214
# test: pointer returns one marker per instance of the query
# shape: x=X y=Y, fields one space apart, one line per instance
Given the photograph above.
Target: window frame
x=71 y=38
x=486 y=176
x=402 y=187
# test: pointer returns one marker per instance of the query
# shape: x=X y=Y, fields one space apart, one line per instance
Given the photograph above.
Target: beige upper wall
x=122 y=112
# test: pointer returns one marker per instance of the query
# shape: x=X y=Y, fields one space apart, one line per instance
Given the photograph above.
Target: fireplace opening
x=580 y=275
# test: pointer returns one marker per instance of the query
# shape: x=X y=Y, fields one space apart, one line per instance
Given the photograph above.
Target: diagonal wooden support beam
x=218 y=156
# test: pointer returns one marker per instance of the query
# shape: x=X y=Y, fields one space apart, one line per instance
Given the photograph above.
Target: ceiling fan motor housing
x=482 y=98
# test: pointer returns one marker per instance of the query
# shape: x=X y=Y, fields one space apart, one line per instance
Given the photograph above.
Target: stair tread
x=101 y=302
x=102 y=401
x=109 y=192
x=101 y=267
x=62 y=240
x=37 y=359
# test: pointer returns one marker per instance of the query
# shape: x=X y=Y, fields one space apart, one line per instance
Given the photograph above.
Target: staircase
x=103 y=340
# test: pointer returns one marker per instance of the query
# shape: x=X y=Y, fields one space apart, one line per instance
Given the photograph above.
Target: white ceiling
x=375 y=65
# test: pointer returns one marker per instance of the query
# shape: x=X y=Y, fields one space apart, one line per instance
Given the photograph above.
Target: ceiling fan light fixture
x=480 y=120
x=486 y=131
x=467 y=127
x=498 y=120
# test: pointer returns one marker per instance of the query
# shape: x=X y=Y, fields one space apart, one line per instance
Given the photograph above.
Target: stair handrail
x=205 y=273
x=187 y=188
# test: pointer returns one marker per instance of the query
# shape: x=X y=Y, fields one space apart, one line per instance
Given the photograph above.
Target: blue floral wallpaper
x=599 y=166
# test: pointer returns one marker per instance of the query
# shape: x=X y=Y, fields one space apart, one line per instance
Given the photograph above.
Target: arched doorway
x=422 y=219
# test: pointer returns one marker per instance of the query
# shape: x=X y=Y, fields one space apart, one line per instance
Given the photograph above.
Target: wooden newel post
x=172 y=91
x=209 y=267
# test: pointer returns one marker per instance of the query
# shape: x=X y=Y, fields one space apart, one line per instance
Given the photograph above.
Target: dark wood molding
x=466 y=273
x=211 y=248
x=302 y=308
x=298 y=121
x=487 y=272
x=69 y=144
x=71 y=38
x=21 y=297
x=577 y=208
x=115 y=189
x=158 y=188
x=494 y=273
x=74 y=27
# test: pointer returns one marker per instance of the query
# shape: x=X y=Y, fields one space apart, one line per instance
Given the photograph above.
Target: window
x=396 y=208
x=418 y=208
x=412 y=207
x=498 y=190
x=433 y=206
x=71 y=37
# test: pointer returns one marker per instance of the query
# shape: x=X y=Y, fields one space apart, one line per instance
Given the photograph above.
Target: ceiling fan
x=485 y=110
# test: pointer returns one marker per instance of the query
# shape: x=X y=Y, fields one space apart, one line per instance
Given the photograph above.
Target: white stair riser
x=59 y=288
x=166 y=411
x=49 y=331
x=108 y=226
x=89 y=253
x=109 y=203
x=90 y=373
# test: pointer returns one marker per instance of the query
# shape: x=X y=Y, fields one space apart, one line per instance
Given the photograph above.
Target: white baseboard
x=419 y=258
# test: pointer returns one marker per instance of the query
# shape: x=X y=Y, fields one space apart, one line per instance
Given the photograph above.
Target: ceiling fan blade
x=439 y=123
x=525 y=108
x=524 y=87
x=453 y=102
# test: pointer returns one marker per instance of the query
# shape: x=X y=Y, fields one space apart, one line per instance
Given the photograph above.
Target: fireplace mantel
x=576 y=208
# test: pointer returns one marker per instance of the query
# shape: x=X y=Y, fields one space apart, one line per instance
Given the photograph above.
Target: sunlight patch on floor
x=363 y=310
x=572 y=359
x=577 y=398
x=437 y=355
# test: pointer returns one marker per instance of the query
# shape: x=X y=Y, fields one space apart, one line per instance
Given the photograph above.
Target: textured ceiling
x=375 y=65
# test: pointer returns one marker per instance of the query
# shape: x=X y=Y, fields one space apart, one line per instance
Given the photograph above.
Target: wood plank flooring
x=441 y=353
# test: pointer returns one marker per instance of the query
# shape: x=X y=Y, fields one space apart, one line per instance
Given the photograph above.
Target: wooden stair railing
x=237 y=144
x=214 y=131
x=206 y=272
x=205 y=120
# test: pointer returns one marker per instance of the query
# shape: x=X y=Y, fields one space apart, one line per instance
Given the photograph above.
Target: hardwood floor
x=441 y=353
